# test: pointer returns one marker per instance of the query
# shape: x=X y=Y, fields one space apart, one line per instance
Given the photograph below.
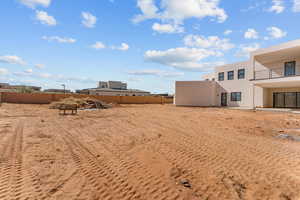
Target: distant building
x=163 y=95
x=5 y=87
x=57 y=91
x=209 y=77
x=113 y=88
x=34 y=88
x=116 y=85
x=113 y=92
x=102 y=84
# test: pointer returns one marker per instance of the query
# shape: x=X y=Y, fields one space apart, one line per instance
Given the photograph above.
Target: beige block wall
x=195 y=93
x=42 y=98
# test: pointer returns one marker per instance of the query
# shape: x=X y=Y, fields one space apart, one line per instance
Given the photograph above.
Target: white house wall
x=255 y=93
x=237 y=85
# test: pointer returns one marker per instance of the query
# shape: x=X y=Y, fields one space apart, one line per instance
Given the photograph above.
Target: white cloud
x=21 y=74
x=40 y=66
x=44 y=18
x=213 y=42
x=98 y=45
x=153 y=72
x=251 y=34
x=123 y=47
x=182 y=58
x=171 y=74
x=179 y=10
x=44 y=75
x=35 y=3
x=245 y=50
x=275 y=33
x=134 y=79
x=277 y=7
x=254 y=6
x=54 y=77
x=296 y=7
x=148 y=9
x=28 y=71
x=167 y=28
x=59 y=39
x=3 y=71
x=88 y=20
x=11 y=59
x=228 y=32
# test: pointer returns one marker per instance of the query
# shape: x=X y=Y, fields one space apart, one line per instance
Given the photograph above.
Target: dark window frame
x=284 y=100
x=241 y=75
x=236 y=96
x=230 y=75
x=286 y=65
x=221 y=76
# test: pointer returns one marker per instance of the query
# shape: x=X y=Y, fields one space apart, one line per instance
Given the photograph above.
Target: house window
x=230 y=75
x=221 y=76
x=241 y=73
x=236 y=96
x=290 y=68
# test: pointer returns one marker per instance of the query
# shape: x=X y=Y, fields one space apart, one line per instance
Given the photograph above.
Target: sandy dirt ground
x=147 y=152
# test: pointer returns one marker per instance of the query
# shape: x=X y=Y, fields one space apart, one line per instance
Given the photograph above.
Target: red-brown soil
x=147 y=152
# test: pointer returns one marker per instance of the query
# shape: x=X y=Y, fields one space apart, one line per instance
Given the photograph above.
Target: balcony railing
x=274 y=73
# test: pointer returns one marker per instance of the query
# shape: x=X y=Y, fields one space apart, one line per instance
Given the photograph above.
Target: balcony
x=275 y=73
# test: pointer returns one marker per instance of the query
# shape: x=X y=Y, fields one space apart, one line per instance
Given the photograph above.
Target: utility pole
x=64 y=88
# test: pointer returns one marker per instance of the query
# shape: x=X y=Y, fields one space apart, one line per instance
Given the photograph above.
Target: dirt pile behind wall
x=81 y=103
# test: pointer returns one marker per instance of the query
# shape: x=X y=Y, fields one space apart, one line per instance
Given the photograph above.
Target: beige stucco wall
x=277 y=67
x=274 y=57
x=237 y=85
x=195 y=93
x=257 y=97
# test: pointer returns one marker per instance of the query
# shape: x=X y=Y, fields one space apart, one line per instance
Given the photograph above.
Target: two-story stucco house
x=271 y=78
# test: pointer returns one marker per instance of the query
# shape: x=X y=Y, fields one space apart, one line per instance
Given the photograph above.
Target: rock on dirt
x=289 y=137
x=185 y=183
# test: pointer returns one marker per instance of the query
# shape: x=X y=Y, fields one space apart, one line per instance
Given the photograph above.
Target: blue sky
x=147 y=43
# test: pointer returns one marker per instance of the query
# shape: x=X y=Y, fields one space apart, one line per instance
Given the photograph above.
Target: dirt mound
x=81 y=103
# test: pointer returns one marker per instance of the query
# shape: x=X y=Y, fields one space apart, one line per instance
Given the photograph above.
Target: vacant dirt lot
x=149 y=152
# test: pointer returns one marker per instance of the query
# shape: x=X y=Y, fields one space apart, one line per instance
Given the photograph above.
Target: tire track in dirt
x=192 y=151
x=243 y=165
x=151 y=185
x=182 y=163
x=108 y=184
x=185 y=163
x=260 y=149
x=272 y=165
x=16 y=182
x=273 y=173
